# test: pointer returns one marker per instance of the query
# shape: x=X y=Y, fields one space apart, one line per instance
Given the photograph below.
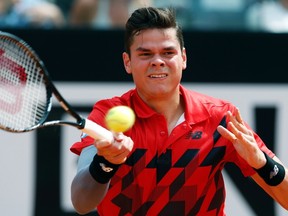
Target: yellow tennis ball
x=120 y=118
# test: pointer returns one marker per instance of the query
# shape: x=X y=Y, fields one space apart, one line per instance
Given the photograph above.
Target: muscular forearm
x=280 y=192
x=96 y=166
x=86 y=193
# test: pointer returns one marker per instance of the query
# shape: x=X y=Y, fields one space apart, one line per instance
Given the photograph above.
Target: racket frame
x=50 y=90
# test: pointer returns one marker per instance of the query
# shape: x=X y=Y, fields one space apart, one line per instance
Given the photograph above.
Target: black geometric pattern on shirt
x=177 y=186
x=187 y=157
x=214 y=157
x=143 y=209
x=216 y=202
x=136 y=159
x=163 y=165
x=173 y=209
x=216 y=134
x=135 y=156
x=218 y=198
x=125 y=204
x=194 y=211
x=183 y=162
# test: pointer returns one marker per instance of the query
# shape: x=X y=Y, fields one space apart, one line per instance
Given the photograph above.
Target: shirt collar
x=141 y=108
x=195 y=106
x=195 y=110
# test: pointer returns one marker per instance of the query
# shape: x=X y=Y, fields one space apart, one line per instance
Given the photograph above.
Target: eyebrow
x=142 y=49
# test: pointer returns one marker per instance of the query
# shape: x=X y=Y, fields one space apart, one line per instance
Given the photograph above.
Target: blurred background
x=237 y=50
x=252 y=15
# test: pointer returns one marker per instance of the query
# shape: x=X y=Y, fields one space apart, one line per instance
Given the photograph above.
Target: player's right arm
x=91 y=182
x=86 y=193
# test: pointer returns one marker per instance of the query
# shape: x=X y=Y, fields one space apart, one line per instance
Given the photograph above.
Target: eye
x=145 y=54
x=169 y=53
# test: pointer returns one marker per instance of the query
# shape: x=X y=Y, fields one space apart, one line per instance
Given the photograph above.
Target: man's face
x=156 y=62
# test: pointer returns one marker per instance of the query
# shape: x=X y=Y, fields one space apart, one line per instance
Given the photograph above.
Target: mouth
x=158 y=76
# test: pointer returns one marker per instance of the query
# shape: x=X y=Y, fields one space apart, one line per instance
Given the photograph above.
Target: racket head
x=25 y=89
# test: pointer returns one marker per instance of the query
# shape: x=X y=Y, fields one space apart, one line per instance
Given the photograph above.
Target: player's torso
x=176 y=174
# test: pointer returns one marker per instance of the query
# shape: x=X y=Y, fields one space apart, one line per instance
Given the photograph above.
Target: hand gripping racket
x=26 y=92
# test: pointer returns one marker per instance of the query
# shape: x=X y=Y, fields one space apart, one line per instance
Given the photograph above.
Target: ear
x=126 y=61
x=184 y=57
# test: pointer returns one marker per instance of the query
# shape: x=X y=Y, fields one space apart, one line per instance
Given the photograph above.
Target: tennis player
x=170 y=161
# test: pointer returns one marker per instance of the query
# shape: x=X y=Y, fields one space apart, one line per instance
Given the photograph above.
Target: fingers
x=236 y=123
x=117 y=151
x=239 y=117
x=226 y=134
x=118 y=137
x=99 y=144
x=236 y=130
x=235 y=127
x=116 y=159
x=242 y=138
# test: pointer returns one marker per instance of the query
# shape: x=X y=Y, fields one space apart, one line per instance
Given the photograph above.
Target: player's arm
x=271 y=174
x=96 y=166
x=86 y=193
x=278 y=192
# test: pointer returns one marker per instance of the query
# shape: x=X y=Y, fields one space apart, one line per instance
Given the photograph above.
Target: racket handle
x=97 y=132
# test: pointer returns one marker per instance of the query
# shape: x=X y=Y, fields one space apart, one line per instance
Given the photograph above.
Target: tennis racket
x=26 y=92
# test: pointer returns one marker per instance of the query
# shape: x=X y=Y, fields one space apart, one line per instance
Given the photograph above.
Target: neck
x=171 y=107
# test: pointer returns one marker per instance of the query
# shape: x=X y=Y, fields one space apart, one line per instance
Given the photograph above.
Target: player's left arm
x=271 y=174
x=279 y=192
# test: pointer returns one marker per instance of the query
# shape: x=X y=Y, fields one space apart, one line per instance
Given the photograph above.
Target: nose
x=157 y=61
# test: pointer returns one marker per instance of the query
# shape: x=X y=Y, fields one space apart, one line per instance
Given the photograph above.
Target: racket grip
x=97 y=132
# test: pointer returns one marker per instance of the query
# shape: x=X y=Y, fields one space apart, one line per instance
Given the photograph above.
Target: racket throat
x=81 y=123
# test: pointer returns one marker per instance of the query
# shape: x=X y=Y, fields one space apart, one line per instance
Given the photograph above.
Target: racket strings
x=23 y=94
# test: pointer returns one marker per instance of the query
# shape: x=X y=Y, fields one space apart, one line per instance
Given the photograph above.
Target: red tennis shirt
x=176 y=174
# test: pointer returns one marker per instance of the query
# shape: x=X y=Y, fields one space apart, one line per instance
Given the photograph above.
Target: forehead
x=152 y=37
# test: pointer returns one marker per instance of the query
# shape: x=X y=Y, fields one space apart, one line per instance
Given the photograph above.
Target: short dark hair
x=150 y=18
